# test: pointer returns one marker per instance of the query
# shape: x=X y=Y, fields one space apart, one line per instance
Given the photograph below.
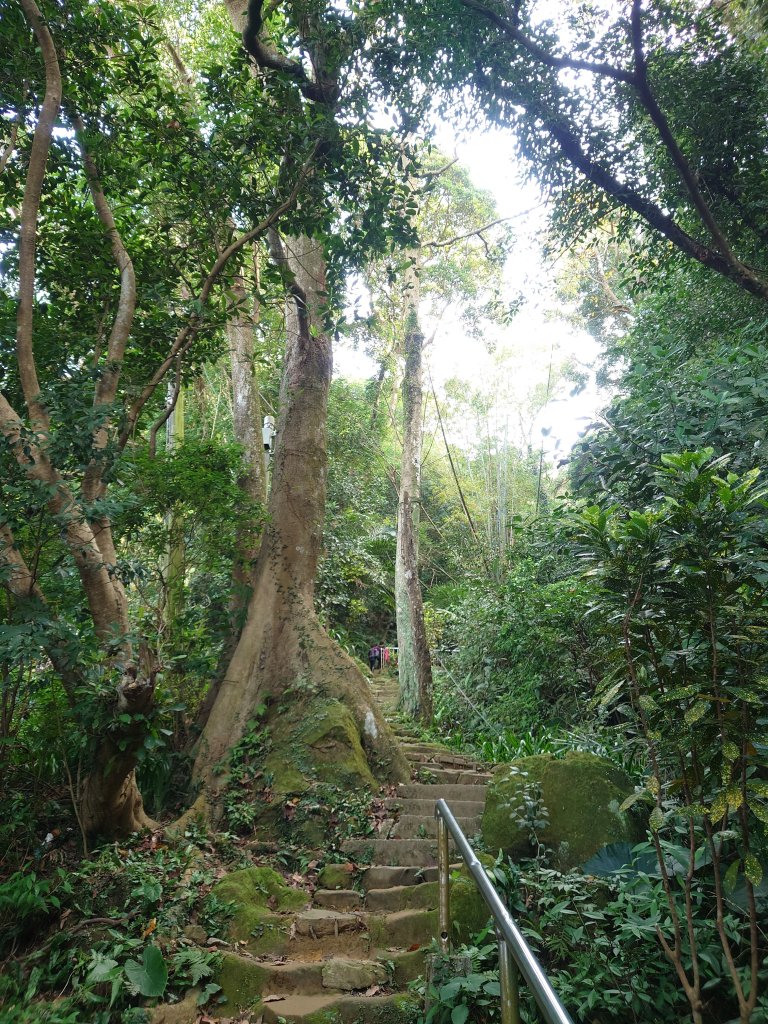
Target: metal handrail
x=514 y=952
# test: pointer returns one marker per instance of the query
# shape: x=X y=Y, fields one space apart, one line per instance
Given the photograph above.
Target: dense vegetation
x=188 y=223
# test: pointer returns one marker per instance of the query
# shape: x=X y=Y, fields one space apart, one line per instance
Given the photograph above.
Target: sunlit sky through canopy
x=510 y=361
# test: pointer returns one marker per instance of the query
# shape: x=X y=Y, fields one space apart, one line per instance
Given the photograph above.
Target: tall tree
x=106 y=305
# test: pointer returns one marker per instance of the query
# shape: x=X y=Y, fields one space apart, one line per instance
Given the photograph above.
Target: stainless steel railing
x=515 y=955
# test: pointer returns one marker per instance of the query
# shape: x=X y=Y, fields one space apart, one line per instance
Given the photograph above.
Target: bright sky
x=515 y=359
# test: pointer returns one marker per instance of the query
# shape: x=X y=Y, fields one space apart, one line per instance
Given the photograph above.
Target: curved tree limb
x=38 y=159
x=106 y=388
x=512 y=30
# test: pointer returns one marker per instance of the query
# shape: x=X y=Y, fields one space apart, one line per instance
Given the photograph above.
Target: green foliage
x=522 y=652
x=117 y=939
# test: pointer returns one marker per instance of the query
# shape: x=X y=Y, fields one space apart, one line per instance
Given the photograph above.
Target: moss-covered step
x=582 y=794
x=263 y=907
x=391 y=1009
x=402 y=928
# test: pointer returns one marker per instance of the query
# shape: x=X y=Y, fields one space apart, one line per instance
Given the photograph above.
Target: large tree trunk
x=414 y=663
x=246 y=425
x=283 y=645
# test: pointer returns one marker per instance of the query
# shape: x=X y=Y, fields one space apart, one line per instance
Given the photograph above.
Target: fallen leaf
x=373 y=990
x=150 y=928
x=272 y=902
x=413 y=947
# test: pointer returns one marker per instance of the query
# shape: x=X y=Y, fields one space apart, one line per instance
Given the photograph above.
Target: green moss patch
x=241 y=980
x=260 y=899
x=581 y=793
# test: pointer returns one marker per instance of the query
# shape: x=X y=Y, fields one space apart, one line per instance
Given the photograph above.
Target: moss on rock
x=336 y=876
x=582 y=794
x=261 y=899
x=241 y=980
x=316 y=741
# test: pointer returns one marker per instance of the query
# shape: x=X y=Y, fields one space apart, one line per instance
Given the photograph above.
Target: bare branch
x=644 y=91
x=21 y=581
x=444 y=244
x=10 y=146
x=38 y=159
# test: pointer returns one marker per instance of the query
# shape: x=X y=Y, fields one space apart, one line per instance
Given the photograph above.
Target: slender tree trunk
x=175 y=562
x=414 y=663
x=283 y=643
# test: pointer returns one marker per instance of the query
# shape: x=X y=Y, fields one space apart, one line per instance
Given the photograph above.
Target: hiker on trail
x=374 y=657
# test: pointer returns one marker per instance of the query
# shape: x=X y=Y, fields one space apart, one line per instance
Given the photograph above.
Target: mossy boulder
x=263 y=907
x=581 y=793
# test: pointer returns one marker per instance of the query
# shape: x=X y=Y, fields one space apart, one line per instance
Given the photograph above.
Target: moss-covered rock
x=242 y=982
x=336 y=876
x=582 y=794
x=262 y=907
x=469 y=912
x=316 y=741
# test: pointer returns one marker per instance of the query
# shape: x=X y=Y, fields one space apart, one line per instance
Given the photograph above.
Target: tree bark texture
x=283 y=643
x=414 y=663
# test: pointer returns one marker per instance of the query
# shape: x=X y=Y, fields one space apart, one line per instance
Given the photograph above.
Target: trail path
x=349 y=943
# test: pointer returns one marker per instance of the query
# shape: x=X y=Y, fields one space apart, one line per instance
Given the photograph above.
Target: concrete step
x=344 y=1009
x=421 y=826
x=426 y=808
x=444 y=791
x=405 y=852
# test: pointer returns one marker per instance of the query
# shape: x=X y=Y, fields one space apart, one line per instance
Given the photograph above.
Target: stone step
x=447 y=792
x=321 y=923
x=345 y=1009
x=382 y=876
x=405 y=928
x=457 y=776
x=402 y=897
x=385 y=876
x=421 y=826
x=405 y=852
x=440 y=760
x=338 y=899
x=461 y=808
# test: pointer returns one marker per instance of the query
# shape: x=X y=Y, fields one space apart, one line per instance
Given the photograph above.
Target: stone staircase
x=353 y=953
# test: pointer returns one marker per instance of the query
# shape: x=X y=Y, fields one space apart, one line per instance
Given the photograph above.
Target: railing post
x=444 y=903
x=509 y=981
